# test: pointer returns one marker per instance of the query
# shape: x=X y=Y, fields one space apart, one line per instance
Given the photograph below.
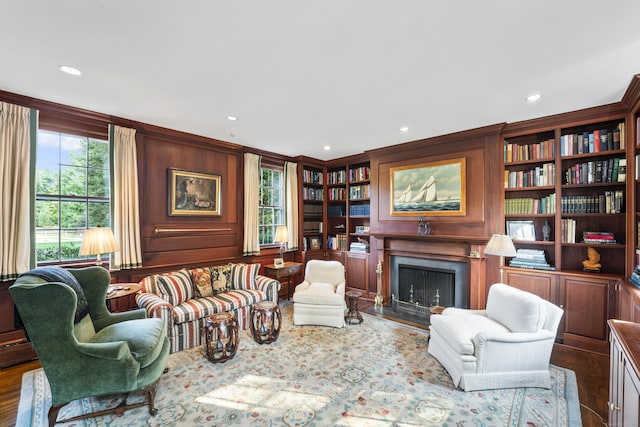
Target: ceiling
x=300 y=75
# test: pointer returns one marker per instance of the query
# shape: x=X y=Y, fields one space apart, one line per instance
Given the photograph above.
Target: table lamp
x=98 y=241
x=502 y=246
x=282 y=236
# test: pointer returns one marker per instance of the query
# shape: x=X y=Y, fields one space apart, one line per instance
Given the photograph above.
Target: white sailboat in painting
x=426 y=193
x=405 y=197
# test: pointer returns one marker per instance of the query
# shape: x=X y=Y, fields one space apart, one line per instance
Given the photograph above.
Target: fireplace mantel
x=469 y=249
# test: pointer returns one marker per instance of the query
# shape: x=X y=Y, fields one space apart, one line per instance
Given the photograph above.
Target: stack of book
x=601 y=237
x=359 y=247
x=635 y=276
x=531 y=258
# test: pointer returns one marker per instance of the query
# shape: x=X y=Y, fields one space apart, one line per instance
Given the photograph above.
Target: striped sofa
x=183 y=299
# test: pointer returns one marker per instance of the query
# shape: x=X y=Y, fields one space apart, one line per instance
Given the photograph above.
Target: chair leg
x=151 y=397
x=53 y=414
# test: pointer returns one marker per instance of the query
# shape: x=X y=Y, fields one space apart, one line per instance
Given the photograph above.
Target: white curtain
x=16 y=190
x=251 y=204
x=291 y=200
x=126 y=213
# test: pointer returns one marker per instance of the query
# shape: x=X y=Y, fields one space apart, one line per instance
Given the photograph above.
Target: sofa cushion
x=175 y=287
x=460 y=330
x=243 y=276
x=221 y=278
x=518 y=310
x=198 y=308
x=144 y=336
x=319 y=294
x=201 y=278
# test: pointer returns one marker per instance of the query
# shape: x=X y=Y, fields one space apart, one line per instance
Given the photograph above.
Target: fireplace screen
x=426 y=286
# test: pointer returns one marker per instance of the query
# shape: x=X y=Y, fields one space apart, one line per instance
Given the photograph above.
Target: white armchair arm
x=340 y=288
x=500 y=351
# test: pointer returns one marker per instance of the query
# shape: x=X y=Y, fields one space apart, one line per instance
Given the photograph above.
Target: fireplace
x=419 y=283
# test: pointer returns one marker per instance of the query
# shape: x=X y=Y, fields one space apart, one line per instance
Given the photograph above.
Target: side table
x=289 y=270
x=120 y=296
x=353 y=314
x=266 y=319
x=220 y=337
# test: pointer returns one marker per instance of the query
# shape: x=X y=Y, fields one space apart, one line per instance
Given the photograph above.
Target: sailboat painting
x=436 y=188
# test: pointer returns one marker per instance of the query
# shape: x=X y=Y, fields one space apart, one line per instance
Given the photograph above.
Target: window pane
x=47 y=213
x=70 y=241
x=73 y=150
x=47 y=245
x=73 y=214
x=99 y=214
x=98 y=153
x=98 y=183
x=47 y=181
x=73 y=181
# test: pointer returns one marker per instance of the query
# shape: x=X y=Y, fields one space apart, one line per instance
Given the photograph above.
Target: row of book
x=312 y=193
x=531 y=258
x=611 y=170
x=359 y=191
x=312 y=210
x=337 y=193
x=609 y=202
x=568 y=230
x=600 y=237
x=359 y=247
x=337 y=177
x=312 y=226
x=338 y=242
x=362 y=209
x=528 y=205
x=522 y=152
x=335 y=210
x=635 y=276
x=312 y=177
x=593 y=142
x=543 y=175
x=359 y=174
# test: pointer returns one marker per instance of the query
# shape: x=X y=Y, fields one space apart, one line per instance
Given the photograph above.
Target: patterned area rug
x=374 y=374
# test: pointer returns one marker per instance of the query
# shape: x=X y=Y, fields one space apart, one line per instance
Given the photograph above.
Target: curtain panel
x=125 y=200
x=17 y=170
x=291 y=200
x=251 y=244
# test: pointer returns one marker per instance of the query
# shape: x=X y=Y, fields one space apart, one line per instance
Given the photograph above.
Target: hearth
x=419 y=283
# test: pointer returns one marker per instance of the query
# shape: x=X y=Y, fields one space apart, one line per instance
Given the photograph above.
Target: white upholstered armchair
x=319 y=299
x=507 y=345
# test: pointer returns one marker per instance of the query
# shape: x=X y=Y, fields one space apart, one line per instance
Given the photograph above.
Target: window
x=72 y=193
x=271 y=210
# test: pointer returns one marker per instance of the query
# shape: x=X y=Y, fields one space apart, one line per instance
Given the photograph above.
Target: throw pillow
x=221 y=278
x=201 y=278
x=243 y=276
x=176 y=287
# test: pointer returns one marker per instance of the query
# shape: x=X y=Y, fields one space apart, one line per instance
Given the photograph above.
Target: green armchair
x=84 y=349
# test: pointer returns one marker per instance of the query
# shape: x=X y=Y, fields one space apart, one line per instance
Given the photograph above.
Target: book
x=622 y=170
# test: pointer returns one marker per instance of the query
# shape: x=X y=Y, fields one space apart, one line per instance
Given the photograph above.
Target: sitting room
x=321 y=214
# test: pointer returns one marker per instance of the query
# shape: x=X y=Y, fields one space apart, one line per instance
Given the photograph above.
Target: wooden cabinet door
x=589 y=303
x=357 y=271
x=615 y=386
x=630 y=394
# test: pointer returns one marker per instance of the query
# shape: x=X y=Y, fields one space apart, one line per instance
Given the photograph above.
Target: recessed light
x=70 y=70
x=533 y=98
x=327 y=147
x=232 y=118
x=404 y=129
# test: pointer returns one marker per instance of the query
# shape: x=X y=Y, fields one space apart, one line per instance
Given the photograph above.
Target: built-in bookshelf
x=313 y=196
x=337 y=208
x=359 y=207
x=573 y=180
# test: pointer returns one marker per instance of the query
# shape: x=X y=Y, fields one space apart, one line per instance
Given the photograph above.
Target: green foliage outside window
x=72 y=193
x=271 y=210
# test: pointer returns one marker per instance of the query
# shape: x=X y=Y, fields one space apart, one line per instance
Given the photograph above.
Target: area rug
x=377 y=373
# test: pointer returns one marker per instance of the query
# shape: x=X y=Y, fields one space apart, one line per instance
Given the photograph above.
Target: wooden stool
x=353 y=314
x=220 y=337
x=265 y=322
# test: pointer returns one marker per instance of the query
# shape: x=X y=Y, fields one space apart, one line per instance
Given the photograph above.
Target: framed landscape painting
x=429 y=189
x=193 y=193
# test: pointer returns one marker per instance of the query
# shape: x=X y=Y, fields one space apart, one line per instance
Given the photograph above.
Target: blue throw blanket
x=58 y=274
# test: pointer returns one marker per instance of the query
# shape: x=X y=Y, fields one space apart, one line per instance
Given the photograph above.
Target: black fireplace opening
x=426 y=286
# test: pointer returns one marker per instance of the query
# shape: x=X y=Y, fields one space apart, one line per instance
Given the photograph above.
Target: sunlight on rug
x=374 y=374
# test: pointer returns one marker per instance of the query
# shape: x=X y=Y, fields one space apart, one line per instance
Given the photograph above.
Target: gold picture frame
x=429 y=189
x=194 y=193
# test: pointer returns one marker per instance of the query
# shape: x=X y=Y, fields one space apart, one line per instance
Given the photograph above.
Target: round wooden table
x=265 y=318
x=353 y=315
x=220 y=337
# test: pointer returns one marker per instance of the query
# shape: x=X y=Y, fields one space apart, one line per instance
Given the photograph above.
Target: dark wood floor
x=592 y=373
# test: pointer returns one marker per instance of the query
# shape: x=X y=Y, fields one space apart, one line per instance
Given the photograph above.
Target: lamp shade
x=501 y=245
x=282 y=234
x=98 y=241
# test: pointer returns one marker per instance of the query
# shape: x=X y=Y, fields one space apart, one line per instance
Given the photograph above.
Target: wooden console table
x=289 y=270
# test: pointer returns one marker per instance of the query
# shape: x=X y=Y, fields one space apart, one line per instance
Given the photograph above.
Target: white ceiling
x=304 y=74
